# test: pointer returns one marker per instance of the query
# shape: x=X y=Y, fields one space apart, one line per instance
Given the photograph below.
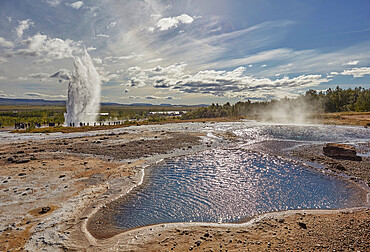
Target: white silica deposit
x=84 y=90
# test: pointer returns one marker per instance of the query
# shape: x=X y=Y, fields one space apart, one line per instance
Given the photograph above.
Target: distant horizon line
x=19 y=101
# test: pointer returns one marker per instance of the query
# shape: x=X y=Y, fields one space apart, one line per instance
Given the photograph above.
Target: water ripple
x=227 y=185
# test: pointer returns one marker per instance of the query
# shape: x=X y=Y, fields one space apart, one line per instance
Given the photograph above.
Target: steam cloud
x=84 y=89
x=297 y=111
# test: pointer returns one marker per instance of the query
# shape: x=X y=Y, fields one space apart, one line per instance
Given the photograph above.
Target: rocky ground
x=51 y=189
x=125 y=146
x=354 y=169
x=45 y=185
x=289 y=231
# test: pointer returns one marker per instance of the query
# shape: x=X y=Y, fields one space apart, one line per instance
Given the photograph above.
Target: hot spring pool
x=225 y=185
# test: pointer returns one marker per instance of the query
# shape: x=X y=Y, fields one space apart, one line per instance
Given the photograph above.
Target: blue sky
x=185 y=52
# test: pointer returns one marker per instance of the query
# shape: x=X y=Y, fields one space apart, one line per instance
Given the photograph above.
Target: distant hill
x=42 y=102
x=31 y=102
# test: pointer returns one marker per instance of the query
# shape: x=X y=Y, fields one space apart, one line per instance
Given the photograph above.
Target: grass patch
x=345 y=118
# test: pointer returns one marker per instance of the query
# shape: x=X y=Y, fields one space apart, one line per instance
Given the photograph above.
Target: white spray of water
x=83 y=104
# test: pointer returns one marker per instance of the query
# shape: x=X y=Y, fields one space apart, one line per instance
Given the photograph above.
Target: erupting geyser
x=84 y=88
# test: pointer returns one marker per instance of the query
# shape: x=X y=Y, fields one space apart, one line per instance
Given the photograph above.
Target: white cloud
x=351 y=63
x=103 y=35
x=276 y=54
x=36 y=42
x=112 y=77
x=235 y=84
x=164 y=24
x=220 y=83
x=38 y=95
x=167 y=23
x=5 y=43
x=53 y=2
x=269 y=30
x=112 y=24
x=172 y=70
x=40 y=76
x=217 y=29
x=23 y=26
x=185 y=19
x=197 y=48
x=76 y=5
x=357 y=72
x=137 y=77
x=98 y=60
x=112 y=59
x=151 y=97
x=3 y=60
x=3 y=94
x=155 y=60
x=156 y=16
x=58 y=49
x=131 y=56
x=51 y=48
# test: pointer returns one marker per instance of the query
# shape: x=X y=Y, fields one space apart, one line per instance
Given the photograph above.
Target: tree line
x=331 y=100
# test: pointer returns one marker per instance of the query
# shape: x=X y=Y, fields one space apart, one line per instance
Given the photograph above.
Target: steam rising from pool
x=84 y=89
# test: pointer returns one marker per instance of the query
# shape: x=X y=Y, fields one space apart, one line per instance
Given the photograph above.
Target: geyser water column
x=84 y=88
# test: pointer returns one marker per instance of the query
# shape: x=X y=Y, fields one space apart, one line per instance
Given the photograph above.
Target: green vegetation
x=9 y=115
x=333 y=100
x=339 y=100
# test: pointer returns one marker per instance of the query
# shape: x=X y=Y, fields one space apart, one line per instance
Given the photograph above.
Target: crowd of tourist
x=22 y=125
